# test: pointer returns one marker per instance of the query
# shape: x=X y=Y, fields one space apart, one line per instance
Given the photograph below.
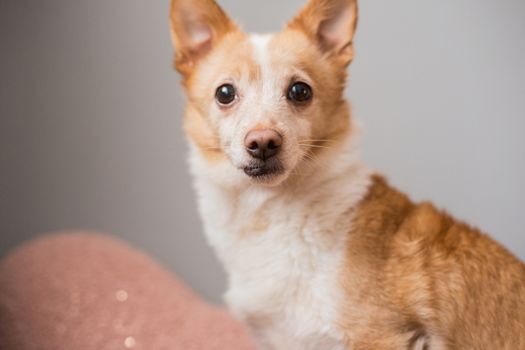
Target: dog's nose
x=263 y=144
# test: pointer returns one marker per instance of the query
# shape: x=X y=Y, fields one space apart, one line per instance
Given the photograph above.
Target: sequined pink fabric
x=89 y=292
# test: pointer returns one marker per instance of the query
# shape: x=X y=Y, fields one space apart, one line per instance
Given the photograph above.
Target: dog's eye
x=225 y=94
x=300 y=92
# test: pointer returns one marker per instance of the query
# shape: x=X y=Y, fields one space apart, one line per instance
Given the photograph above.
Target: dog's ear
x=331 y=24
x=196 y=27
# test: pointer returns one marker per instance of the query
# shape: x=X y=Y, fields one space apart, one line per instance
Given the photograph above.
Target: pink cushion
x=87 y=291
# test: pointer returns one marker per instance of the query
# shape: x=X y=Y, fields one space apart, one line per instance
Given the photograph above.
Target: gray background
x=90 y=112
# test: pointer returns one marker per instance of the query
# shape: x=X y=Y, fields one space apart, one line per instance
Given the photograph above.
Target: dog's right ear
x=196 y=27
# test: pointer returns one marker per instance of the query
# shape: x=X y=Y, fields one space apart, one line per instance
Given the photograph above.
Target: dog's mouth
x=264 y=169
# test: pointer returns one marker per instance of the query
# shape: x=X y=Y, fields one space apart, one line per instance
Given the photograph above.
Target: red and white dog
x=320 y=252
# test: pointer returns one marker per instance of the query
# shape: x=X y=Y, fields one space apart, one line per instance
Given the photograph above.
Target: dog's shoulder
x=431 y=270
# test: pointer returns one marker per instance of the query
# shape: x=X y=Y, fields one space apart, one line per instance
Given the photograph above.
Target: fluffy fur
x=325 y=254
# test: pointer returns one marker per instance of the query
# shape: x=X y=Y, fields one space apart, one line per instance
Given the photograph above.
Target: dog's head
x=262 y=106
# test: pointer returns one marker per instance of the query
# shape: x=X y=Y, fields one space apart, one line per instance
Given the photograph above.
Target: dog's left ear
x=332 y=25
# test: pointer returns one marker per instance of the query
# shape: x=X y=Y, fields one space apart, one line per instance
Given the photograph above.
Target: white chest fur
x=283 y=251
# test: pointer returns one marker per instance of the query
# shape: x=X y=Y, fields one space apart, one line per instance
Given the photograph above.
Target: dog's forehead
x=277 y=53
x=284 y=50
x=268 y=60
x=260 y=44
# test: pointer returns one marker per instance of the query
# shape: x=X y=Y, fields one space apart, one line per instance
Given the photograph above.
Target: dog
x=321 y=252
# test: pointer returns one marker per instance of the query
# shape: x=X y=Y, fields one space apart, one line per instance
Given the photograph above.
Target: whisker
x=315 y=146
x=317 y=140
x=310 y=157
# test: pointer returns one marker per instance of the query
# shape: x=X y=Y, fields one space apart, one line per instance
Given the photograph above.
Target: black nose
x=263 y=144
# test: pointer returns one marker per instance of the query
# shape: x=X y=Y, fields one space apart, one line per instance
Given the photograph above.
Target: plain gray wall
x=90 y=112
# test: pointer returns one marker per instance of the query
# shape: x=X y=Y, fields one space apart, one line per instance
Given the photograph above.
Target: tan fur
x=413 y=277
x=414 y=270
